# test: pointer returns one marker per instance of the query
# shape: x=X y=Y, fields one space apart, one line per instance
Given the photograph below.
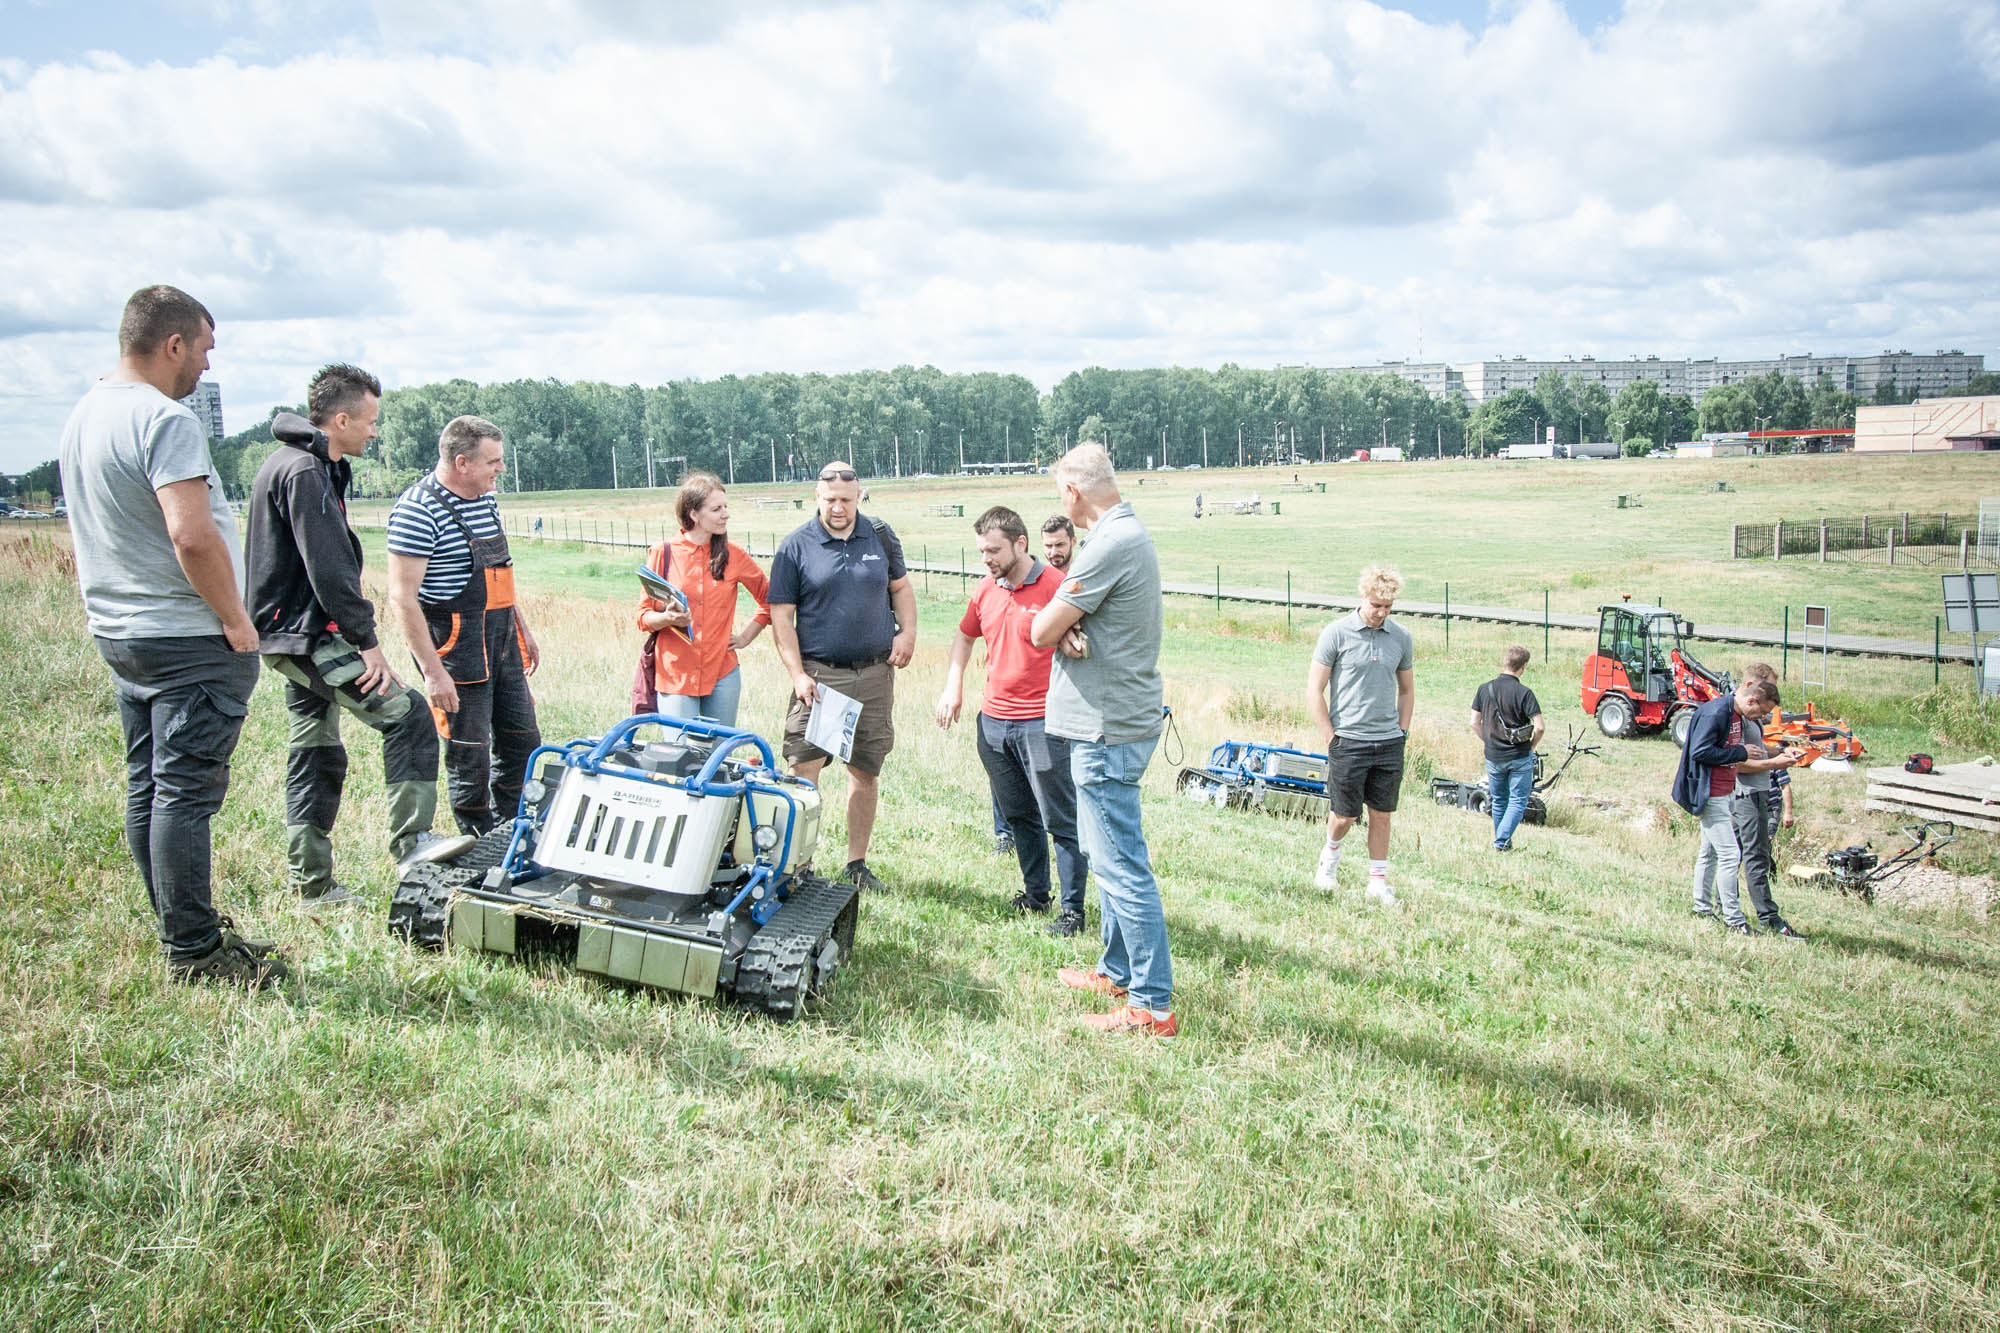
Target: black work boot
x=232 y=962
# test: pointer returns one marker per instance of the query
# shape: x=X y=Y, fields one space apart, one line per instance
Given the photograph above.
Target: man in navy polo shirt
x=844 y=615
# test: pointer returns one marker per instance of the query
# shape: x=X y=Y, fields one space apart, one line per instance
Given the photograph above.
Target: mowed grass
x=1487 y=533
x=1537 y=1096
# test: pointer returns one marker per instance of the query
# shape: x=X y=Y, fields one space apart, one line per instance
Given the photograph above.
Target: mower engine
x=1851 y=867
x=672 y=864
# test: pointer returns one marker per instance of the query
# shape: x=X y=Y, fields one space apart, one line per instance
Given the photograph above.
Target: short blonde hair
x=1088 y=468
x=1381 y=584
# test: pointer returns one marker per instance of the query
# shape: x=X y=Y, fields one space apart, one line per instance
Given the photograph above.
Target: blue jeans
x=1508 y=787
x=1029 y=772
x=1128 y=898
x=718 y=705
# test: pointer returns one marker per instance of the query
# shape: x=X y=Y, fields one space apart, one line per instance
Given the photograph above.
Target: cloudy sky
x=639 y=192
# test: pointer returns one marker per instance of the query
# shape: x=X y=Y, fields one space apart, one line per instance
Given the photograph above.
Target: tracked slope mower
x=680 y=864
x=1245 y=775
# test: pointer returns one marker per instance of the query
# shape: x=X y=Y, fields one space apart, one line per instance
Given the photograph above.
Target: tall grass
x=1537 y=1097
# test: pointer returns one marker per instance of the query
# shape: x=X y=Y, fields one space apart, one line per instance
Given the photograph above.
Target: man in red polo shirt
x=1027 y=768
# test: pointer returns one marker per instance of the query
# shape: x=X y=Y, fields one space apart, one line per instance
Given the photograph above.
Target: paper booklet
x=831 y=726
x=659 y=588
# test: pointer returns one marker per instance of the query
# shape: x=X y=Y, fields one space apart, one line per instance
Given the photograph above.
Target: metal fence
x=1894 y=539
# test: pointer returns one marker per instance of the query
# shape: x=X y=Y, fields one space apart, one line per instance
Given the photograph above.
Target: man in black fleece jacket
x=317 y=630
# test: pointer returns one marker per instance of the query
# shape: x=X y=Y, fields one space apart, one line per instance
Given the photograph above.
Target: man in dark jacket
x=1705 y=786
x=317 y=630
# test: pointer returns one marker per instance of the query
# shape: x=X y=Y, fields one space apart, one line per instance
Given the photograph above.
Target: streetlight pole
x=1204 y=447
x=1239 y=444
x=961 y=451
x=729 y=451
x=772 y=440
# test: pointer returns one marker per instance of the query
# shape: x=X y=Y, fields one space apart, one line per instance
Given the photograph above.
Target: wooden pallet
x=1966 y=794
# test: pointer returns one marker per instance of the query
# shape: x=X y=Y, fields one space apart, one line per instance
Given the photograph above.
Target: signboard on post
x=1817 y=620
x=1972 y=606
x=1971 y=603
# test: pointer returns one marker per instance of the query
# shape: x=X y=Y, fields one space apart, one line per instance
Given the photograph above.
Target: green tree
x=1728 y=407
x=1639 y=410
x=1593 y=404
x=1558 y=399
x=1829 y=406
x=1678 y=419
x=1515 y=417
x=42 y=482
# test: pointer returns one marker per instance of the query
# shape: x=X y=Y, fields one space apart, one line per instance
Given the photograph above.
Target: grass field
x=1498 y=533
x=1536 y=1096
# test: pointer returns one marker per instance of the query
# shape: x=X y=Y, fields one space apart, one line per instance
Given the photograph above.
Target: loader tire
x=1615 y=716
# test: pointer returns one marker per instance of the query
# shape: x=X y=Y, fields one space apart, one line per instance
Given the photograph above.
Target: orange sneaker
x=1133 y=1019
x=1095 y=982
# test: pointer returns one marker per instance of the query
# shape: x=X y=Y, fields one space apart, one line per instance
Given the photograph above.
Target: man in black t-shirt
x=1508 y=717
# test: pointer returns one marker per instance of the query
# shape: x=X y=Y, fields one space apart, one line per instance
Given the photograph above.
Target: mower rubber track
x=423 y=899
x=774 y=974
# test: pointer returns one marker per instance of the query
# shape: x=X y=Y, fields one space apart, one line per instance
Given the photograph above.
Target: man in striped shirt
x=451 y=584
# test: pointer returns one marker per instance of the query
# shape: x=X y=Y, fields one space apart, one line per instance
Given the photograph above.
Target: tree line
x=921 y=420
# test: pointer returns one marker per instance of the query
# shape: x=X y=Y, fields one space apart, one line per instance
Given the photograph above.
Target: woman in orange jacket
x=695 y=667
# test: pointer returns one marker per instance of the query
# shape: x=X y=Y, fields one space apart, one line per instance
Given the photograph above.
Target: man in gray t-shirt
x=1113 y=693
x=1104 y=697
x=161 y=568
x=1361 y=691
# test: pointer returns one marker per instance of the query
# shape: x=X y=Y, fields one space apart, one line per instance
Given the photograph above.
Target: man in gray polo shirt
x=1104 y=698
x=1366 y=663
x=161 y=569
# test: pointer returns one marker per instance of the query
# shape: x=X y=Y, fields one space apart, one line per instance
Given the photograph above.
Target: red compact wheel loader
x=1642 y=678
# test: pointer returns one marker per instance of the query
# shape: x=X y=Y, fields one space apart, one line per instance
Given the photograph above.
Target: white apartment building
x=206 y=400
x=1483 y=381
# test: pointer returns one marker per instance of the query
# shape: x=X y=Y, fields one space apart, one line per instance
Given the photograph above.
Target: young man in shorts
x=1361 y=690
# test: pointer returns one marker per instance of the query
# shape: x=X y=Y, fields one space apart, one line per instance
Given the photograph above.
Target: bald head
x=838 y=497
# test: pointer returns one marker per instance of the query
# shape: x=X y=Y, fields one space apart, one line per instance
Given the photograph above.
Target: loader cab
x=1642 y=640
x=1629 y=684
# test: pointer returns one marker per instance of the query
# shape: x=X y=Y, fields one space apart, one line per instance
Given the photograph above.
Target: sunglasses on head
x=837 y=474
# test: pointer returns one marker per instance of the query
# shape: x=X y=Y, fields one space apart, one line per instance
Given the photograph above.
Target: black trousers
x=488 y=740
x=182 y=703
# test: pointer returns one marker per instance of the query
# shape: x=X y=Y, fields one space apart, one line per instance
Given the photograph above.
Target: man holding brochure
x=844 y=616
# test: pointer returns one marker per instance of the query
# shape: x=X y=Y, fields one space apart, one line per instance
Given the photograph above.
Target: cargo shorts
x=873 y=684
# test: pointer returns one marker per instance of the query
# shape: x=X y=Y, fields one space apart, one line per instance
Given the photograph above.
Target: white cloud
x=500 y=188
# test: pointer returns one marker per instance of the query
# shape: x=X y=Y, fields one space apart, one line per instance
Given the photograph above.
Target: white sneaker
x=1379 y=891
x=1326 y=874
